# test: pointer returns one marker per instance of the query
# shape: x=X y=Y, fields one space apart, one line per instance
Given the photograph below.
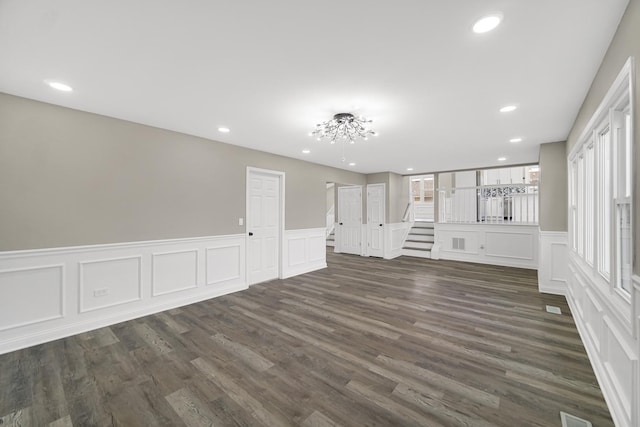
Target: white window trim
x=620 y=92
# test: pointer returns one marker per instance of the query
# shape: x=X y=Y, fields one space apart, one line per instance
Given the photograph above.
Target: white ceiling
x=271 y=70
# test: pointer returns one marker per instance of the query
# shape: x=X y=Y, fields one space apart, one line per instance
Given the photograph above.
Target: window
x=604 y=201
x=622 y=201
x=589 y=205
x=573 y=205
x=580 y=205
x=600 y=191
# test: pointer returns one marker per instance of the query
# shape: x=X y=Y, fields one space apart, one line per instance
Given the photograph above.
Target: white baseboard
x=304 y=251
x=49 y=294
x=553 y=265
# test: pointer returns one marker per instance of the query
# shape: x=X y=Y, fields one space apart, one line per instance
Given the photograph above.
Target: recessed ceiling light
x=515 y=140
x=224 y=130
x=502 y=159
x=487 y=23
x=306 y=151
x=409 y=169
x=352 y=164
x=59 y=86
x=508 y=108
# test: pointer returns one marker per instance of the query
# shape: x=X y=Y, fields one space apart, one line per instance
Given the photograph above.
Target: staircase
x=331 y=239
x=419 y=240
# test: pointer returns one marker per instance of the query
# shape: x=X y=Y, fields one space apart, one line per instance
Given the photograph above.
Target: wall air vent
x=457 y=243
x=569 y=420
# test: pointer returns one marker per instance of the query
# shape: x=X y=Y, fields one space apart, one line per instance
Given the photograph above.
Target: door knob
x=251 y=233
x=340 y=223
x=380 y=225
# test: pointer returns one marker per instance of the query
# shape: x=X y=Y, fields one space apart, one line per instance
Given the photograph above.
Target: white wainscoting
x=395 y=234
x=554 y=262
x=609 y=327
x=52 y=293
x=508 y=245
x=303 y=251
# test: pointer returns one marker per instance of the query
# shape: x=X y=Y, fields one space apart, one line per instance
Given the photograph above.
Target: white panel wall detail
x=395 y=235
x=109 y=282
x=304 y=251
x=508 y=245
x=225 y=263
x=48 y=294
x=174 y=271
x=609 y=332
x=31 y=295
x=552 y=268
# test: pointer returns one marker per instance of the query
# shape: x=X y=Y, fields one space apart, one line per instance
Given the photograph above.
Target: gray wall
x=398 y=198
x=553 y=186
x=395 y=199
x=331 y=195
x=73 y=178
x=625 y=43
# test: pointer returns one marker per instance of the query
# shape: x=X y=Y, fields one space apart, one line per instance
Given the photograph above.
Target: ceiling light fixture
x=487 y=23
x=352 y=164
x=409 y=169
x=306 y=151
x=224 y=130
x=343 y=127
x=515 y=140
x=59 y=86
x=508 y=108
x=502 y=159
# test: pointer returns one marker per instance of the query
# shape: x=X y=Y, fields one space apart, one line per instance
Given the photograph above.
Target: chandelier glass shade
x=343 y=127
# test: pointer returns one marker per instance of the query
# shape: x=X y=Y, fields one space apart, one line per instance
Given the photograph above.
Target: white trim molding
x=47 y=294
x=611 y=343
x=304 y=251
x=496 y=244
x=395 y=235
x=553 y=265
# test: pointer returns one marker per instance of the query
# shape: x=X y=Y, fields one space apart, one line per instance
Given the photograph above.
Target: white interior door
x=263 y=226
x=350 y=219
x=375 y=219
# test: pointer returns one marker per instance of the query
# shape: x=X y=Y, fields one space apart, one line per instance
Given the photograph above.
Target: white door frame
x=384 y=215
x=281 y=179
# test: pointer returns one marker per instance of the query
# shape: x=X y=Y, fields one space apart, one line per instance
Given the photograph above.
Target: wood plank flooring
x=366 y=342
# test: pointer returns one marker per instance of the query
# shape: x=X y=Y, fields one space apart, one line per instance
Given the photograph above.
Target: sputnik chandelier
x=343 y=127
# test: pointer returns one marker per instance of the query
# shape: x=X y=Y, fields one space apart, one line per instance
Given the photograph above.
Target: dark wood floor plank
x=364 y=342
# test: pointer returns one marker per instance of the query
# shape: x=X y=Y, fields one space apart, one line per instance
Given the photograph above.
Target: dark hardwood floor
x=405 y=342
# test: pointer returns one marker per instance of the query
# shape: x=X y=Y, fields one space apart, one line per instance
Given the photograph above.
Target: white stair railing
x=490 y=204
x=407 y=213
x=330 y=221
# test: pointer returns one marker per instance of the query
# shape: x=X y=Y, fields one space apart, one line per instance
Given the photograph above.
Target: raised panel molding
x=510 y=244
x=395 y=234
x=224 y=264
x=554 y=262
x=497 y=244
x=174 y=271
x=613 y=347
x=119 y=278
x=303 y=251
x=49 y=294
x=31 y=295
